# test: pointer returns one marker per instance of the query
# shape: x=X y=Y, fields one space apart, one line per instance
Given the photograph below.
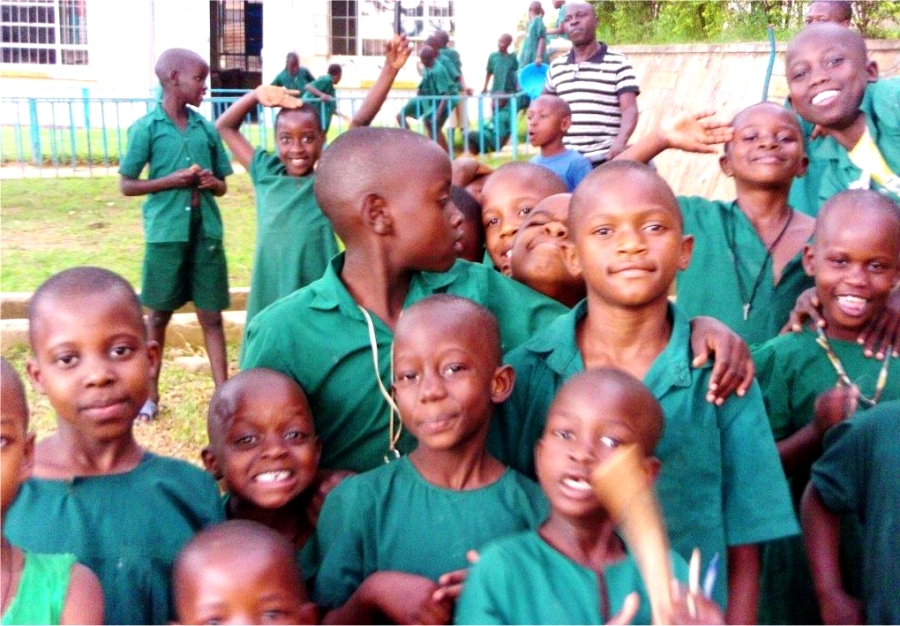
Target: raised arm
x=397 y=51
x=229 y=123
x=691 y=132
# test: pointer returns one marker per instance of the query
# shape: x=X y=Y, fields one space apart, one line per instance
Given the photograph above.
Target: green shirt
x=41 y=595
x=128 y=528
x=319 y=337
x=522 y=579
x=718 y=285
x=155 y=140
x=534 y=32
x=504 y=68
x=737 y=495
x=450 y=59
x=325 y=84
x=857 y=473
x=830 y=169
x=294 y=239
x=298 y=81
x=391 y=518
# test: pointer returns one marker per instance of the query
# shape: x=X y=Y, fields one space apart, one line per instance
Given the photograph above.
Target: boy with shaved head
x=549 y=117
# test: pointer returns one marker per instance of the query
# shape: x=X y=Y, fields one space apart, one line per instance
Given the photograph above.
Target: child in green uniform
x=472 y=241
x=720 y=487
x=539 y=250
x=508 y=196
x=394 y=541
x=759 y=233
x=122 y=511
x=263 y=449
x=37 y=588
x=574 y=569
x=534 y=46
x=433 y=101
x=321 y=93
x=240 y=572
x=834 y=86
x=334 y=336
x=503 y=67
x=855 y=260
x=857 y=473
x=294 y=76
x=184 y=259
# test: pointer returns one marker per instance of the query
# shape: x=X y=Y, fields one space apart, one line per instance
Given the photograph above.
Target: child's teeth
x=576 y=484
x=825 y=95
x=270 y=477
x=852 y=305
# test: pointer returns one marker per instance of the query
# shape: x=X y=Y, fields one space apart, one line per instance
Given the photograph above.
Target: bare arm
x=692 y=132
x=539 y=53
x=229 y=123
x=821 y=533
x=629 y=108
x=180 y=179
x=487 y=79
x=743 y=584
x=397 y=51
x=396 y=595
x=318 y=93
x=84 y=599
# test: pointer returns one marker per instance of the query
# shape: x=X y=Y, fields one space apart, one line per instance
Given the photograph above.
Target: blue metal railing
x=87 y=133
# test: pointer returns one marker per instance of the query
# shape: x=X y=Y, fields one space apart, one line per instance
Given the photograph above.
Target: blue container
x=532 y=79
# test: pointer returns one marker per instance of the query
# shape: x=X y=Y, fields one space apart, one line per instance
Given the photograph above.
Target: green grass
x=55 y=223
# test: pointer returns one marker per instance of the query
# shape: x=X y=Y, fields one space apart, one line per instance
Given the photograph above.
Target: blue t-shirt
x=570 y=165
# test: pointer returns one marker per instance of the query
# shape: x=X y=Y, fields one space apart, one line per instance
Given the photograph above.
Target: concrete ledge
x=184 y=329
x=14 y=305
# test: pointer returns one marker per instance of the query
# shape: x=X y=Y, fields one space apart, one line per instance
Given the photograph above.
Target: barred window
x=362 y=26
x=44 y=32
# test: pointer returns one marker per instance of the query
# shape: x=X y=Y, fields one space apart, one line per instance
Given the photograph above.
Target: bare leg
x=214 y=338
x=157 y=321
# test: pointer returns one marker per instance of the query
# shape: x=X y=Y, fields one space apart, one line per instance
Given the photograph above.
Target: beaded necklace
x=844 y=380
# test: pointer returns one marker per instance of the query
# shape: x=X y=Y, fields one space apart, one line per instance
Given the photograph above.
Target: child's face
x=827 y=72
x=584 y=425
x=855 y=261
x=260 y=589
x=546 y=123
x=268 y=454
x=505 y=202
x=471 y=246
x=503 y=44
x=444 y=383
x=767 y=147
x=191 y=82
x=16 y=445
x=93 y=362
x=628 y=244
x=427 y=226
x=819 y=12
x=299 y=139
x=538 y=256
x=427 y=56
x=292 y=66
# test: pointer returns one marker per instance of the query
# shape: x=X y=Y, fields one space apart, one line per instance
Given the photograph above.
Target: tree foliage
x=683 y=21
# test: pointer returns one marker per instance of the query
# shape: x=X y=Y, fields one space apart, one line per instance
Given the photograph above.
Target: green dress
x=522 y=579
x=792 y=371
x=294 y=239
x=393 y=519
x=41 y=596
x=128 y=528
x=535 y=31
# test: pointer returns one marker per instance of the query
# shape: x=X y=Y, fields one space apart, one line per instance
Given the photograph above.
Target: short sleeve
x=137 y=155
x=839 y=474
x=484 y=594
x=773 y=381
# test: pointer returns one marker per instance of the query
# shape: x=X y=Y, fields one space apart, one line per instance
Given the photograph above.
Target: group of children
x=447 y=387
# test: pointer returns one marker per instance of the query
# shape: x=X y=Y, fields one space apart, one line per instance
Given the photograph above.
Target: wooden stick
x=623 y=486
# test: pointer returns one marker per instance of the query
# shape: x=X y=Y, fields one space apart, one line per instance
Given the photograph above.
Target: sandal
x=148 y=412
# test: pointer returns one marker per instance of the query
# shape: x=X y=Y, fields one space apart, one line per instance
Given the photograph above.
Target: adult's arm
x=629 y=108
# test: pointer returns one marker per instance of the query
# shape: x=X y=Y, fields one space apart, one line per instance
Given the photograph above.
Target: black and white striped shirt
x=592 y=89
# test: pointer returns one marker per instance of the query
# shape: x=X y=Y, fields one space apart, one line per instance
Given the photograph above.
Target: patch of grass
x=56 y=223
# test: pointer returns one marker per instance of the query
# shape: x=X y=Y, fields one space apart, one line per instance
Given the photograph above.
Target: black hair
x=308 y=108
x=860 y=200
x=842 y=9
x=536 y=176
x=335 y=68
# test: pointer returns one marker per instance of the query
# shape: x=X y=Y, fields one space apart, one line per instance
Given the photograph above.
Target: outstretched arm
x=397 y=51
x=691 y=132
x=229 y=123
x=733 y=369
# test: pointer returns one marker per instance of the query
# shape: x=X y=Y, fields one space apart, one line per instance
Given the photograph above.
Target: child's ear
x=725 y=165
x=210 y=463
x=570 y=256
x=502 y=383
x=34 y=374
x=872 y=71
x=375 y=214
x=802 y=167
x=566 y=123
x=809 y=260
x=687 y=249
x=652 y=466
x=154 y=355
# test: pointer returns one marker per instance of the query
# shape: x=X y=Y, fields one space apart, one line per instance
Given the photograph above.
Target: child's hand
x=326 y=480
x=841 y=608
x=883 y=331
x=206 y=179
x=695 y=132
x=277 y=96
x=629 y=610
x=187 y=177
x=733 y=369
x=693 y=608
x=833 y=407
x=397 y=51
x=807 y=311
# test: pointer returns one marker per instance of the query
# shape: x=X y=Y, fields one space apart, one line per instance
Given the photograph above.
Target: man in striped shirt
x=600 y=87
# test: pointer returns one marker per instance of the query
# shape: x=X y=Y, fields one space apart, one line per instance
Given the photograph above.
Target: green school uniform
x=522 y=579
x=535 y=31
x=792 y=371
x=728 y=259
x=294 y=239
x=298 y=81
x=155 y=140
x=325 y=84
x=504 y=68
x=391 y=518
x=451 y=63
x=857 y=473
x=128 y=528
x=41 y=595
x=319 y=337
x=737 y=495
x=830 y=169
